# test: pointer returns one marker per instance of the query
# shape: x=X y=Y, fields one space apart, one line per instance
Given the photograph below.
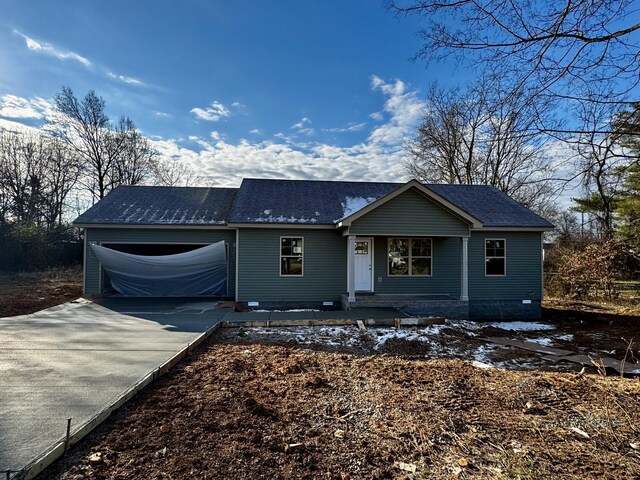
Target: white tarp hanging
x=199 y=272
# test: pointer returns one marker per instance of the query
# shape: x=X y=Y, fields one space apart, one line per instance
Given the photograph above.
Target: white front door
x=364 y=264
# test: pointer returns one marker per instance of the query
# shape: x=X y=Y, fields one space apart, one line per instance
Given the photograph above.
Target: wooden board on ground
x=595 y=361
x=531 y=346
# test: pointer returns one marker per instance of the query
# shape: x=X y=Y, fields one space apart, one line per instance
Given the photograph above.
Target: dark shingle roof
x=489 y=205
x=141 y=205
x=289 y=202
x=302 y=201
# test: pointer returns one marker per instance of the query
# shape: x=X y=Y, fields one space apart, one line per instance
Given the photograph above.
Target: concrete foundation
x=414 y=305
x=504 y=310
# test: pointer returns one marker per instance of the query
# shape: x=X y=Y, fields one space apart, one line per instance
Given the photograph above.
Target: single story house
x=466 y=251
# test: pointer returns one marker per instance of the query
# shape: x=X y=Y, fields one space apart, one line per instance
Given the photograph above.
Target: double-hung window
x=409 y=256
x=495 y=257
x=291 y=256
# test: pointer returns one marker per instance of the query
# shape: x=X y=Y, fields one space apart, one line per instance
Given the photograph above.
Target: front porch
x=436 y=305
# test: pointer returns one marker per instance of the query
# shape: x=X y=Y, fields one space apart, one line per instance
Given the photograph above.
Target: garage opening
x=163 y=269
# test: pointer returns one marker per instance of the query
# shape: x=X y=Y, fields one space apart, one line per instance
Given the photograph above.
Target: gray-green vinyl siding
x=523 y=279
x=324 y=266
x=445 y=266
x=410 y=213
x=153 y=235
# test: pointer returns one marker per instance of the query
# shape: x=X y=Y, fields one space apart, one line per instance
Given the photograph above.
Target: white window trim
x=410 y=274
x=280 y=256
x=486 y=257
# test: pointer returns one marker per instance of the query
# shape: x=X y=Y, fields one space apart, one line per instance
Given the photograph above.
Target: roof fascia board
x=300 y=226
x=513 y=229
x=440 y=201
x=169 y=226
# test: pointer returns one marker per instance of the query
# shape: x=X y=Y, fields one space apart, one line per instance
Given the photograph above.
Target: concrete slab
x=247 y=317
x=292 y=315
x=75 y=359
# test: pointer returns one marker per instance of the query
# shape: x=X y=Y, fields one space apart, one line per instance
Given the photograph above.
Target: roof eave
x=309 y=226
x=209 y=226
x=513 y=229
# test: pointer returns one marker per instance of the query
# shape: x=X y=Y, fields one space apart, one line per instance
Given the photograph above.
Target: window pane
x=420 y=266
x=398 y=265
x=286 y=242
x=398 y=247
x=288 y=250
x=291 y=266
x=421 y=247
x=495 y=248
x=495 y=266
x=362 y=248
x=296 y=243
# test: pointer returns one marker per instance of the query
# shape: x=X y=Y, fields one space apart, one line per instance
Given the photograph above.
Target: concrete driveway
x=76 y=359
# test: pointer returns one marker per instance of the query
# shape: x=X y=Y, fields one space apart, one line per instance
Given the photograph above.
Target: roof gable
x=422 y=189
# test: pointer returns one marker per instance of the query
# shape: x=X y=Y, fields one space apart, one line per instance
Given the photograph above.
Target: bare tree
x=174 y=173
x=555 y=49
x=62 y=171
x=475 y=136
x=135 y=159
x=36 y=175
x=111 y=154
x=601 y=158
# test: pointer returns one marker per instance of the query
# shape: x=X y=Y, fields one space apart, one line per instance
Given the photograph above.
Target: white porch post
x=464 y=277
x=351 y=271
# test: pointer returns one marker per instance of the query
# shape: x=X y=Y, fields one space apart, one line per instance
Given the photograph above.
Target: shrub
x=589 y=271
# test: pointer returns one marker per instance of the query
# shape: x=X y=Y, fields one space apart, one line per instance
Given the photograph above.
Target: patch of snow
x=267 y=212
x=281 y=219
x=521 y=326
x=483 y=353
x=482 y=365
x=292 y=310
x=547 y=342
x=567 y=337
x=352 y=204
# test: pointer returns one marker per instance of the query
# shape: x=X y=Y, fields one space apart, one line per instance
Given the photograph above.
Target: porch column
x=464 y=277
x=351 y=271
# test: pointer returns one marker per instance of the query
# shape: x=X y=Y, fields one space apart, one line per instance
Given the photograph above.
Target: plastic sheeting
x=202 y=271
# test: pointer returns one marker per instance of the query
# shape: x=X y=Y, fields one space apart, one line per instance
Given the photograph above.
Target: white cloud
x=213 y=113
x=162 y=114
x=48 y=49
x=125 y=79
x=379 y=158
x=12 y=106
x=351 y=127
x=303 y=126
x=256 y=131
x=404 y=109
x=377 y=116
x=12 y=126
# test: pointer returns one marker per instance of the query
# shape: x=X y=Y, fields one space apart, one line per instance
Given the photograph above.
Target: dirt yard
x=23 y=293
x=252 y=405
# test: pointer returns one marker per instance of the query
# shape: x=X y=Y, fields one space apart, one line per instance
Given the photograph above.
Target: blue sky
x=294 y=89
